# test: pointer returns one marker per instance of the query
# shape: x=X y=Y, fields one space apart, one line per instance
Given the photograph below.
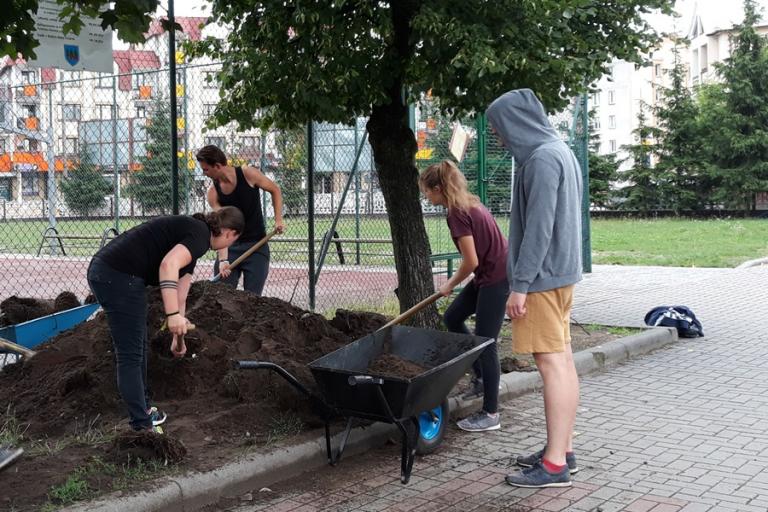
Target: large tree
x=644 y=191
x=739 y=137
x=680 y=146
x=603 y=170
x=290 y=62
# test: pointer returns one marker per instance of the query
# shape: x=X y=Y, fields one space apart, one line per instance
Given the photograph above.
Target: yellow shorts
x=547 y=325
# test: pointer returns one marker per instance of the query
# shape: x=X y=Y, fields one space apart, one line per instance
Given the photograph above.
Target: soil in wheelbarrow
x=15 y=310
x=64 y=404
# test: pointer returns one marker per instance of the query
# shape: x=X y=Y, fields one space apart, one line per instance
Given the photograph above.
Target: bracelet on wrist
x=168 y=315
x=223 y=261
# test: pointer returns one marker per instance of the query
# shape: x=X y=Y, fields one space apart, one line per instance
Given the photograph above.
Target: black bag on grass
x=679 y=317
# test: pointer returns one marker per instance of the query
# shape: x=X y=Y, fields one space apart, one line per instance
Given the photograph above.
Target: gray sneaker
x=537 y=477
x=480 y=422
x=529 y=461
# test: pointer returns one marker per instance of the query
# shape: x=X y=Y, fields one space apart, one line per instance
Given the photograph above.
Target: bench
x=448 y=257
x=52 y=233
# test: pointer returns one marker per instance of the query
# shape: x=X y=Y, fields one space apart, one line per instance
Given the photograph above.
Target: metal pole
x=186 y=138
x=482 y=125
x=262 y=168
x=311 y=212
x=51 y=172
x=586 y=239
x=357 y=207
x=115 y=170
x=174 y=128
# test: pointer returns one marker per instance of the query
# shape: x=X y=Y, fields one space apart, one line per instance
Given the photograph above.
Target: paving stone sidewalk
x=682 y=429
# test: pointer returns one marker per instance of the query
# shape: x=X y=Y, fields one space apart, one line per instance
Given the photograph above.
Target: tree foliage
x=642 y=191
x=84 y=187
x=603 y=171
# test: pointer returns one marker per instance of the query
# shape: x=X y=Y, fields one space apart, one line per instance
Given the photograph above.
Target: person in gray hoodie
x=543 y=265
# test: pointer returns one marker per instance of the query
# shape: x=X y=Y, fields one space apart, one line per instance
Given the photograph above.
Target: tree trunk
x=394 y=151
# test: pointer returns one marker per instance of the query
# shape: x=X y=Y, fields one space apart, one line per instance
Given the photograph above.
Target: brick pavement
x=681 y=429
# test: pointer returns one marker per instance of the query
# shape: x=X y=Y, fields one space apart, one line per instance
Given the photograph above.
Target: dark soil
x=214 y=411
x=391 y=365
x=15 y=310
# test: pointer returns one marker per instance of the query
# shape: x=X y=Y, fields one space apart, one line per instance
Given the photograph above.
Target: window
x=695 y=62
x=704 y=59
x=5 y=189
x=657 y=69
x=29 y=145
x=2 y=146
x=659 y=93
x=612 y=145
x=596 y=99
x=71 y=79
x=105 y=111
x=611 y=98
x=595 y=123
x=141 y=112
x=208 y=109
x=611 y=122
x=29 y=110
x=104 y=81
x=219 y=142
x=29 y=184
x=248 y=142
x=28 y=77
x=71 y=112
x=70 y=145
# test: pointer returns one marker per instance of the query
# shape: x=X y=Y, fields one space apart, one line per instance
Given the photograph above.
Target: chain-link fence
x=84 y=157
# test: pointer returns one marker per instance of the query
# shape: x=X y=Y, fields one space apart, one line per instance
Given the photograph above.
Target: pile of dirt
x=71 y=381
x=15 y=310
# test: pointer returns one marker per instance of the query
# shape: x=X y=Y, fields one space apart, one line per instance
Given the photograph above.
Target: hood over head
x=520 y=120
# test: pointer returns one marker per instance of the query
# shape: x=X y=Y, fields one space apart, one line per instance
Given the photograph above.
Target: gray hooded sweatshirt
x=545 y=222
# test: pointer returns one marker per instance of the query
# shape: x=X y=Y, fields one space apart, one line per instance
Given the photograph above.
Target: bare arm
x=469 y=262
x=172 y=263
x=257 y=179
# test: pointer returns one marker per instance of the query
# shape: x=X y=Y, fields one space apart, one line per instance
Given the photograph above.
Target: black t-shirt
x=140 y=250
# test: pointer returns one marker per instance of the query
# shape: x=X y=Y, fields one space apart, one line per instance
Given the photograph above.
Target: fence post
x=482 y=189
x=586 y=239
x=311 y=212
x=174 y=127
x=115 y=171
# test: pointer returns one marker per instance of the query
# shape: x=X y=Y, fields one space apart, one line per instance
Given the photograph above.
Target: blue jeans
x=487 y=303
x=254 y=269
x=123 y=298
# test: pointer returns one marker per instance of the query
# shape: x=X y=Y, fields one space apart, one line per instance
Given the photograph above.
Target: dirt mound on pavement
x=71 y=381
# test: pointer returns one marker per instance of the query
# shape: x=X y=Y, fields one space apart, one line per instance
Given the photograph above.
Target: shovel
x=415 y=309
x=16 y=349
x=247 y=253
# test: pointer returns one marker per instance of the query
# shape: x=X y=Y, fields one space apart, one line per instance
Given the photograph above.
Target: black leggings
x=124 y=300
x=487 y=303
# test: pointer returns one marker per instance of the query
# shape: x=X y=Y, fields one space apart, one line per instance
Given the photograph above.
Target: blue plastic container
x=32 y=333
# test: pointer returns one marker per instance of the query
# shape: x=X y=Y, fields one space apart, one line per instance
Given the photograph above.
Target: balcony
x=28 y=94
x=143 y=93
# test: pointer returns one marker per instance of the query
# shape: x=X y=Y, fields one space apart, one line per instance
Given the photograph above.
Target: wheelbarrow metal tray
x=33 y=332
x=447 y=355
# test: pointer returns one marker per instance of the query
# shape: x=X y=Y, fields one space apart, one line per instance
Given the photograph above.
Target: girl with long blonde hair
x=484 y=253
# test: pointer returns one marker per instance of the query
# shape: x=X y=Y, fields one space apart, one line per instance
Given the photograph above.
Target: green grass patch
x=679 y=242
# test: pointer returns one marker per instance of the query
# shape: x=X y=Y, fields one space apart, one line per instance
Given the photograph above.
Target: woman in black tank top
x=240 y=187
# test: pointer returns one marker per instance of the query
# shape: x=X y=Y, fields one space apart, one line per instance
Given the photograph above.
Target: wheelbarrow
x=418 y=406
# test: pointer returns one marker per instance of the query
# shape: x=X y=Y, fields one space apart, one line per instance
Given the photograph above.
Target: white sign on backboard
x=91 y=50
x=459 y=142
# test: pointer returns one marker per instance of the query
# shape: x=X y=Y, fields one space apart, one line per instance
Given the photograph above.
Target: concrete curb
x=196 y=490
x=753 y=263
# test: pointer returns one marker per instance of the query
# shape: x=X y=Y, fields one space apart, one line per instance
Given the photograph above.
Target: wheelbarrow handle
x=258 y=365
x=358 y=380
x=415 y=309
x=246 y=254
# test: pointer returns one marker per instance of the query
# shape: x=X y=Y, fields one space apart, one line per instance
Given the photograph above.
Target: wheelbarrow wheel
x=432 y=428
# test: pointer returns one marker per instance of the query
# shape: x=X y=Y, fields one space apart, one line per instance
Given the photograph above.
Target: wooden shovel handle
x=247 y=253
x=415 y=309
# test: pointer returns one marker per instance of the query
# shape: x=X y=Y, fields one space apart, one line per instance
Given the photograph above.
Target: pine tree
x=603 y=170
x=289 y=174
x=84 y=188
x=739 y=139
x=680 y=145
x=642 y=193
x=152 y=185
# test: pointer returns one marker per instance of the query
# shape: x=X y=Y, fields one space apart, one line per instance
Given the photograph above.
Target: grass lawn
x=665 y=242
x=679 y=242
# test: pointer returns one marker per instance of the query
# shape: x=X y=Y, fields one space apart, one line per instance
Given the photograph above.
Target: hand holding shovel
x=247 y=253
